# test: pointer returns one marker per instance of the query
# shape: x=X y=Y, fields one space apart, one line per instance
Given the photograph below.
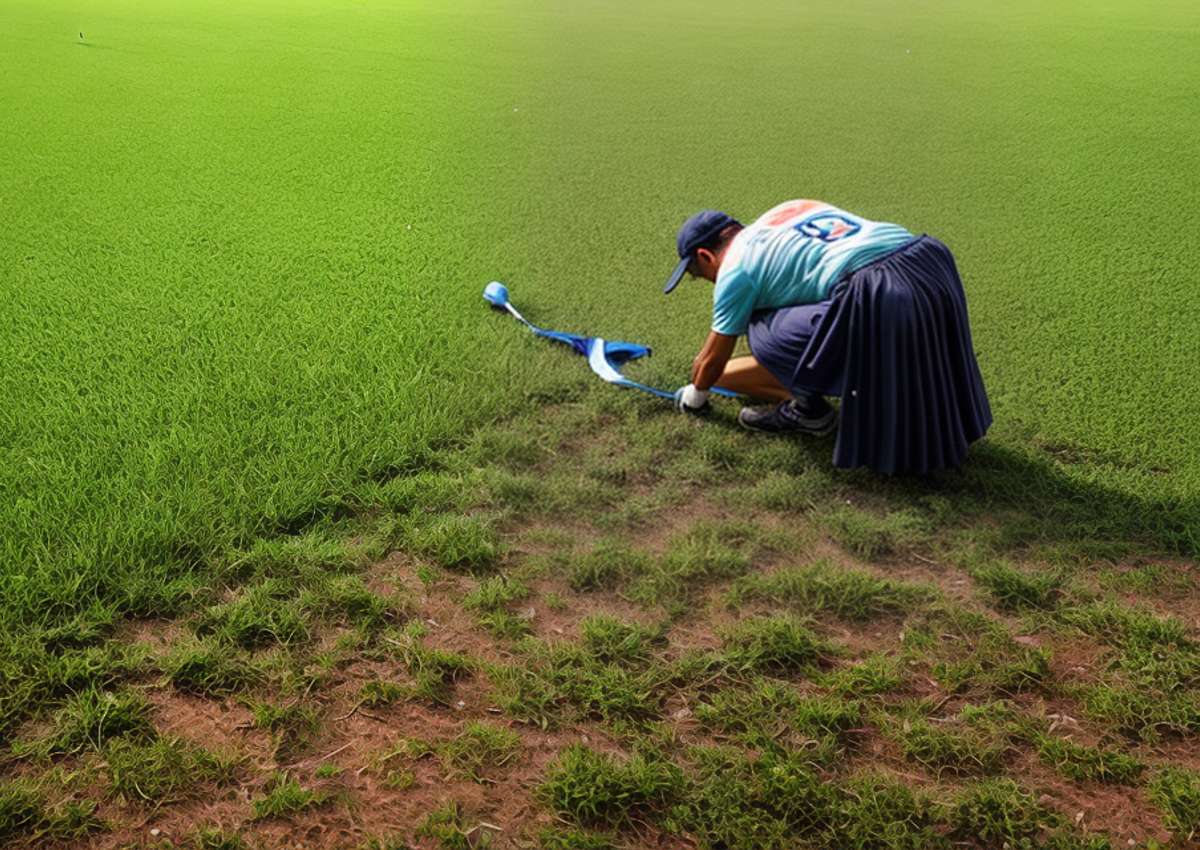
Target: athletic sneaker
x=807 y=415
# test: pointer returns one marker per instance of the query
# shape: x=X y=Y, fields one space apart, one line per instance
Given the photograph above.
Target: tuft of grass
x=1152 y=686
x=882 y=813
x=872 y=536
x=998 y=812
x=1176 y=790
x=828 y=721
x=1014 y=590
x=956 y=750
x=788 y=493
x=423 y=491
x=567 y=683
x=493 y=593
x=1146 y=714
x=873 y=674
x=435 y=671
x=346 y=599
x=758 y=714
x=215 y=838
x=36 y=676
x=574 y=839
x=514 y=492
x=456 y=542
x=767 y=803
x=164 y=771
x=996 y=666
x=766 y=713
x=489 y=599
x=86 y=628
x=386 y=842
x=291 y=727
x=92 y=718
x=706 y=553
x=781 y=644
x=609 y=640
x=285 y=796
x=513 y=448
x=1154 y=579
x=447 y=826
x=595 y=789
x=263 y=615
x=977 y=655
x=612 y=675
x=1088 y=764
x=399 y=780
x=291 y=558
x=823 y=588
x=382 y=692
x=505 y=624
x=27 y=817
x=475 y=752
x=1124 y=627
x=607 y=565
x=207 y=669
x=22 y=810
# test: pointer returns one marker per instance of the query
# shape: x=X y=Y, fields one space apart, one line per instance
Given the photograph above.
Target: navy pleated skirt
x=895 y=343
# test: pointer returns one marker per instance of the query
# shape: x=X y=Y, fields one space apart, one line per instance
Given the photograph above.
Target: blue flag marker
x=604 y=356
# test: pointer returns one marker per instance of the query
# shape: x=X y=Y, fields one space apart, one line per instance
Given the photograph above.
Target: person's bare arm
x=709 y=364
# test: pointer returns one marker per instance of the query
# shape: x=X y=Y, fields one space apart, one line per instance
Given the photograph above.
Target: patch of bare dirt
x=1120 y=812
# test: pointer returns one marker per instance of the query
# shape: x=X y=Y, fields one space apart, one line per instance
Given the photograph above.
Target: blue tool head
x=496 y=294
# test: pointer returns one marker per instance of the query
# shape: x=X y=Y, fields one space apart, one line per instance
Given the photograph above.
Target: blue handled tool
x=605 y=357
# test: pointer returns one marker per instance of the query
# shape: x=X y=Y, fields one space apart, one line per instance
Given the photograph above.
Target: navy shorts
x=779 y=338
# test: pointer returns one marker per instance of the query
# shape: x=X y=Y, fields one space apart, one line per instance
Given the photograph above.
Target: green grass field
x=256 y=427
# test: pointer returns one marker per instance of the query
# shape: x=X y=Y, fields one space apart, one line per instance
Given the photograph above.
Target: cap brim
x=677 y=275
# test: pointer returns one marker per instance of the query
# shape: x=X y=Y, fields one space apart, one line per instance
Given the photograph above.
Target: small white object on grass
x=693 y=397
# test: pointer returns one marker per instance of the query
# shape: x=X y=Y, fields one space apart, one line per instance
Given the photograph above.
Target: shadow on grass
x=1026 y=497
x=1050 y=505
x=1033 y=500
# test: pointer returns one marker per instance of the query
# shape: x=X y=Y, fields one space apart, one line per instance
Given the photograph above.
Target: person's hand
x=691 y=400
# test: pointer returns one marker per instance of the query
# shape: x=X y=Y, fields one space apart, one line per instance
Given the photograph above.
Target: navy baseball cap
x=697 y=230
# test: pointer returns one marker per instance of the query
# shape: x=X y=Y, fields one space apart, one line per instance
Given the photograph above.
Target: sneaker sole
x=812 y=427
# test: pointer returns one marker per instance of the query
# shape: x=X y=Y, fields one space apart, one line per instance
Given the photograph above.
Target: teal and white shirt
x=794 y=254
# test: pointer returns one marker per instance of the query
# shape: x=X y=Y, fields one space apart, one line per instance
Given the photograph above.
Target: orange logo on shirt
x=790 y=211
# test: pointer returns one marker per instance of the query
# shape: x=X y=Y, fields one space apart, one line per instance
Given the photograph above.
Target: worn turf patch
x=822 y=588
x=1176 y=790
x=599 y=790
x=165 y=771
x=480 y=750
x=780 y=644
x=1083 y=764
x=284 y=796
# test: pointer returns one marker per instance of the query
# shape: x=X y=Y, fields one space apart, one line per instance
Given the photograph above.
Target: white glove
x=691 y=400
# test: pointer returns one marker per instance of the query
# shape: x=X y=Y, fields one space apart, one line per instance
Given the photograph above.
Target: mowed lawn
x=241 y=254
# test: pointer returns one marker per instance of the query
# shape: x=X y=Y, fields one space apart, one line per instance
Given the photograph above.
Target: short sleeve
x=733 y=302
